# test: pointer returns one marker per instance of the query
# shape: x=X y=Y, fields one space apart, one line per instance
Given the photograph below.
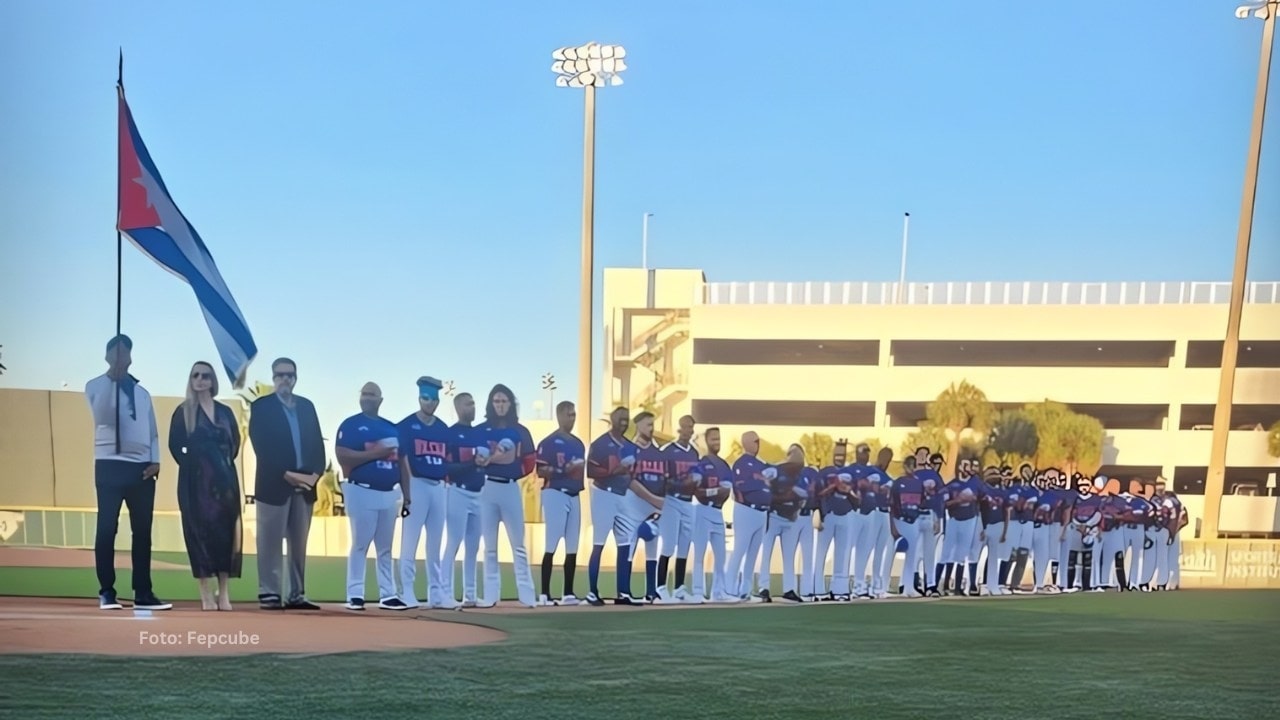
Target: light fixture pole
x=902 y=269
x=1266 y=11
x=588 y=67
x=644 y=242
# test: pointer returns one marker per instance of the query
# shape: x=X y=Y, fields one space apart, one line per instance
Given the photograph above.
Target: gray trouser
x=289 y=522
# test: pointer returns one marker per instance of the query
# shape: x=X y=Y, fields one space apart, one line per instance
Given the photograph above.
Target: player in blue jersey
x=1178 y=519
x=609 y=462
x=882 y=560
x=562 y=460
x=868 y=523
x=1167 y=515
x=908 y=521
x=752 y=495
x=676 y=523
x=424 y=443
x=651 y=471
x=1110 y=567
x=462 y=517
x=937 y=508
x=808 y=518
x=1134 y=524
x=790 y=493
x=367 y=448
x=1085 y=513
x=837 y=491
x=511 y=457
x=1022 y=499
x=714 y=480
x=931 y=511
x=995 y=526
x=1044 y=533
x=960 y=498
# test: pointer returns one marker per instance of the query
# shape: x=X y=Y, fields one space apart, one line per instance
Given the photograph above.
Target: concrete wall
x=46 y=450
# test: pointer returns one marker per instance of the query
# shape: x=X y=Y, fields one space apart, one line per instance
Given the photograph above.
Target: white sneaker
x=468 y=604
x=691 y=599
x=569 y=601
x=484 y=604
x=664 y=595
x=411 y=603
x=449 y=604
x=544 y=601
x=681 y=594
x=727 y=599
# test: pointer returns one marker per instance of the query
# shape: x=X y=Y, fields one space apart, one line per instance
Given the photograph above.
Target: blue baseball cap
x=118 y=340
x=429 y=388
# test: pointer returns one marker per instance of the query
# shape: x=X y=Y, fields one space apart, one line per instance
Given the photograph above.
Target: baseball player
x=752 y=497
x=960 y=499
x=908 y=521
x=676 y=523
x=1022 y=499
x=561 y=461
x=1114 y=508
x=995 y=526
x=837 y=490
x=1178 y=520
x=609 y=462
x=651 y=470
x=790 y=494
x=367 y=448
x=937 y=508
x=868 y=523
x=1085 y=512
x=1134 y=524
x=1046 y=529
x=462 y=505
x=1167 y=514
x=882 y=560
x=512 y=455
x=808 y=518
x=423 y=466
x=932 y=511
x=715 y=485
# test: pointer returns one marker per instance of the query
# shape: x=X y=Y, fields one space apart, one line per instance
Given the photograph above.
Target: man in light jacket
x=126 y=452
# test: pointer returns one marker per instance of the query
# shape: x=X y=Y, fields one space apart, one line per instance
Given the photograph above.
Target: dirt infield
x=36 y=557
x=36 y=625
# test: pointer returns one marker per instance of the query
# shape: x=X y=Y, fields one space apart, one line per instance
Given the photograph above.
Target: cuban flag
x=155 y=225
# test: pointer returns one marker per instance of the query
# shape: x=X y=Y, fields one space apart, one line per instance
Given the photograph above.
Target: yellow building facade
x=863 y=359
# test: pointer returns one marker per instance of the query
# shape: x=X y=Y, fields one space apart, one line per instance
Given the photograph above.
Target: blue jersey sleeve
x=349 y=436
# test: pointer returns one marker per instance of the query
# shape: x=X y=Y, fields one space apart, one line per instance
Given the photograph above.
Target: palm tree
x=961 y=411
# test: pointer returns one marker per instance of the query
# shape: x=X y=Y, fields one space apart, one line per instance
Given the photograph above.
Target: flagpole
x=119 y=240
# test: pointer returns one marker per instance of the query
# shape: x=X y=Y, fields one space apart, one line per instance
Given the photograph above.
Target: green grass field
x=1190 y=654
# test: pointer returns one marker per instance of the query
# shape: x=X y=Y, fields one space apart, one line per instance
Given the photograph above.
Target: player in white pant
x=511 y=457
x=367 y=448
x=790 y=494
x=462 y=503
x=676 y=523
x=424 y=463
x=908 y=522
x=714 y=486
x=1179 y=519
x=824 y=536
x=562 y=460
x=610 y=461
x=866 y=523
x=1133 y=525
x=960 y=498
x=883 y=543
x=752 y=494
x=992 y=498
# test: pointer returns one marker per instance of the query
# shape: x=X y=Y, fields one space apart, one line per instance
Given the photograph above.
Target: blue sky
x=394 y=190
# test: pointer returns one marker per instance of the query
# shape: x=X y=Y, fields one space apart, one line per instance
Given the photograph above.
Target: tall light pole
x=902 y=271
x=1266 y=11
x=644 y=242
x=588 y=67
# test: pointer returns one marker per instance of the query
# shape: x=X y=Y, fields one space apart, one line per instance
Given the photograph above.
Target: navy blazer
x=273 y=448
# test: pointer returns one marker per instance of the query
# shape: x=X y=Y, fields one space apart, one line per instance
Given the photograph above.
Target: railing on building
x=982 y=293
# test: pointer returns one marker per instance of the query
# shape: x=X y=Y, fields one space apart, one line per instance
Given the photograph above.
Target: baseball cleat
x=544 y=601
x=594 y=600
x=569 y=600
x=625 y=599
x=681 y=595
x=355 y=604
x=694 y=600
x=468 y=604
x=663 y=594
x=392 y=604
x=810 y=598
x=864 y=596
x=791 y=596
x=413 y=604
x=764 y=596
x=450 y=604
x=651 y=599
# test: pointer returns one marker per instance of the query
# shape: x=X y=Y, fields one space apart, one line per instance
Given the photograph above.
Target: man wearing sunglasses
x=285 y=432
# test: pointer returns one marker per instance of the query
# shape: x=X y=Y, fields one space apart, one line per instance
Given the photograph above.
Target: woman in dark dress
x=204 y=439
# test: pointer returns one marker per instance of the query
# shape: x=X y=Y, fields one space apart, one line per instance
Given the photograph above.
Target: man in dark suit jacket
x=285 y=433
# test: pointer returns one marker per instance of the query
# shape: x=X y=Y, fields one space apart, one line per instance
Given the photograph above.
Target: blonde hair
x=190 y=404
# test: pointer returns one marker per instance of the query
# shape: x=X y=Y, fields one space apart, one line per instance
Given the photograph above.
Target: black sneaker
x=301 y=604
x=933 y=593
x=791 y=596
x=108 y=601
x=270 y=602
x=392 y=604
x=864 y=596
x=594 y=600
x=625 y=599
x=355 y=604
x=765 y=596
x=651 y=598
x=148 y=601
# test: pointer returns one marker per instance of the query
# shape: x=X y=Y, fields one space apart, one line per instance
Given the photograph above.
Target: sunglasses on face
x=201 y=376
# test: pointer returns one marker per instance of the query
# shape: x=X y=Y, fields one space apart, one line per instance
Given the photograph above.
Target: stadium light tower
x=588 y=67
x=1266 y=11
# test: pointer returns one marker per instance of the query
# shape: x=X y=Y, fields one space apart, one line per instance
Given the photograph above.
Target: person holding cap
x=126 y=452
x=424 y=439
